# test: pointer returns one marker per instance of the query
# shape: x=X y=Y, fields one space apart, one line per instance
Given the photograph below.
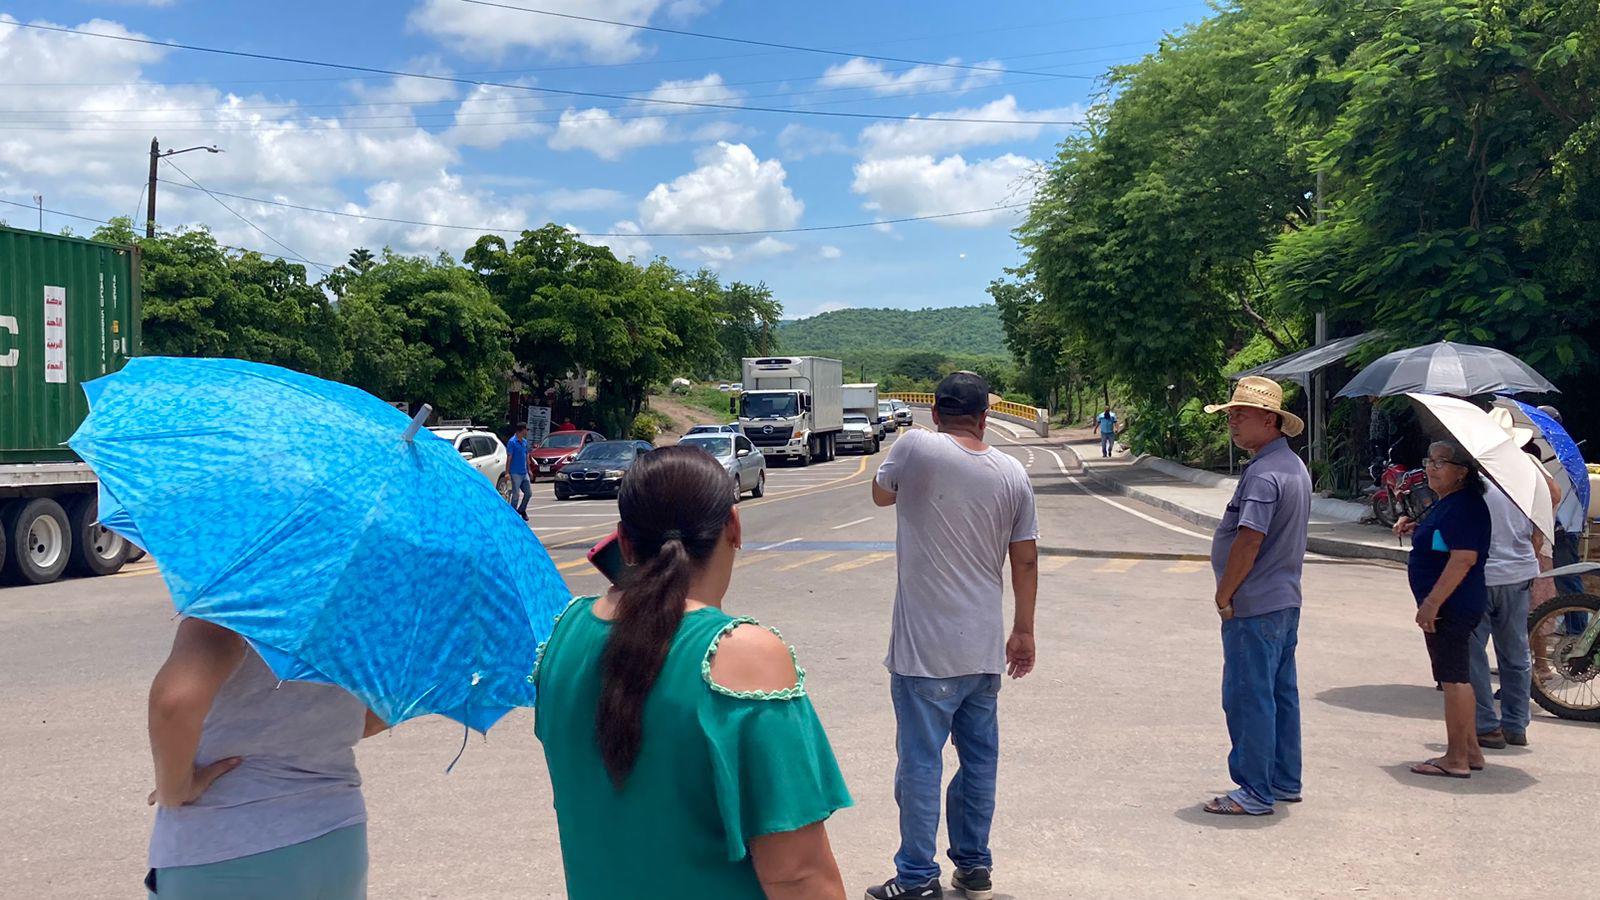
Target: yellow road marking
x=1187 y=566
x=805 y=561
x=864 y=561
x=1116 y=565
x=135 y=573
x=1054 y=563
x=572 y=563
x=746 y=559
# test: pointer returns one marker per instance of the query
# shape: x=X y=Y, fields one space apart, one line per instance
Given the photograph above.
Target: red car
x=558 y=449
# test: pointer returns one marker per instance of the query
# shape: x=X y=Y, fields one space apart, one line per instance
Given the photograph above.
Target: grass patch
x=708 y=399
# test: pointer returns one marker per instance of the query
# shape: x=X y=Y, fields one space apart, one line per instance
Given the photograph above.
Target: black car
x=597 y=470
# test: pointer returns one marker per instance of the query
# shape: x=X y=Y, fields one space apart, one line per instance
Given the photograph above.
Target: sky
x=507 y=134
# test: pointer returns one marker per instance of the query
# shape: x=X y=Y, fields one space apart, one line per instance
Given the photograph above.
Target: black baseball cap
x=962 y=394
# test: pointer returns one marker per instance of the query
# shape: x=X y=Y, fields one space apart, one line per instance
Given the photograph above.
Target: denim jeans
x=521 y=492
x=1565 y=552
x=930 y=712
x=1108 y=442
x=1261 y=699
x=1507 y=622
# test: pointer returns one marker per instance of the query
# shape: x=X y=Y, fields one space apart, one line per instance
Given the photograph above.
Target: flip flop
x=1438 y=770
x=1227 y=806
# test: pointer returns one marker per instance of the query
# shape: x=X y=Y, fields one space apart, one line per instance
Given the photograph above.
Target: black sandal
x=1227 y=806
x=1439 y=771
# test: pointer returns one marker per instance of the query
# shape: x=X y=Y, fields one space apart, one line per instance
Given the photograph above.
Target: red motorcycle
x=1398 y=491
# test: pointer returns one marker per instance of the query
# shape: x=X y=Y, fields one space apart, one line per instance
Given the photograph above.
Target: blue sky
x=79 y=114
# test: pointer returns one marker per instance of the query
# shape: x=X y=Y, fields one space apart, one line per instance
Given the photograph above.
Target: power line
x=754 y=43
x=295 y=253
x=618 y=234
x=243 y=54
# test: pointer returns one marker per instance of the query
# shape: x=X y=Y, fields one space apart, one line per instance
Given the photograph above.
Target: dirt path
x=682 y=415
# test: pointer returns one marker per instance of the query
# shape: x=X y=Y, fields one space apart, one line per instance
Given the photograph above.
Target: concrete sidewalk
x=1202 y=498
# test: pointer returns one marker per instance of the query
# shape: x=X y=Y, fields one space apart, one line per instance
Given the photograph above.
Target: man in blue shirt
x=517 y=469
x=1108 y=432
x=1257 y=555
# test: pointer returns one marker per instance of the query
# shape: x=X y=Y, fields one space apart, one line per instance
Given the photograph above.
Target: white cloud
x=486 y=31
x=732 y=190
x=275 y=150
x=610 y=136
x=824 y=307
x=919 y=136
x=624 y=247
x=800 y=141
x=769 y=246
x=921 y=186
x=865 y=73
x=491 y=116
x=828 y=251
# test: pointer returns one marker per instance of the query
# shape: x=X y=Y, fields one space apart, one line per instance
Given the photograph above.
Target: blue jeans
x=1107 y=444
x=1507 y=622
x=521 y=492
x=1261 y=699
x=1565 y=552
x=930 y=712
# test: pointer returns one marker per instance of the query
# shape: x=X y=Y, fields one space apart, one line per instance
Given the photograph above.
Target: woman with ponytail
x=685 y=756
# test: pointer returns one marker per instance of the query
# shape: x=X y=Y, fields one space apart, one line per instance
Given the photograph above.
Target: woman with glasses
x=1448 y=549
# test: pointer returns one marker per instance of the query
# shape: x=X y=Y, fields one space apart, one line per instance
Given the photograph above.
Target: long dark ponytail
x=674 y=505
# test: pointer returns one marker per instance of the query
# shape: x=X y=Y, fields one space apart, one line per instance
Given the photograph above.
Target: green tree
x=747 y=319
x=425 y=330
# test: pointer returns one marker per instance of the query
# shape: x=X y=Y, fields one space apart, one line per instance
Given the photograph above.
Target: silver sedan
x=745 y=464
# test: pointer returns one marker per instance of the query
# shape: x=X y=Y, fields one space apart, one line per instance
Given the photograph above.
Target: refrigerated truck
x=69 y=313
x=863 y=399
x=792 y=407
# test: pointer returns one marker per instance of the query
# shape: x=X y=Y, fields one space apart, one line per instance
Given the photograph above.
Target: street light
x=155 y=157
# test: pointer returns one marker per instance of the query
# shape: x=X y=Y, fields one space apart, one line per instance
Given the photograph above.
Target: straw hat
x=1256 y=392
x=1519 y=434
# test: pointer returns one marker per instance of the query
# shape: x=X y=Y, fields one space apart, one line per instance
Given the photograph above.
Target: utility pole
x=38 y=199
x=156 y=156
x=1319 y=413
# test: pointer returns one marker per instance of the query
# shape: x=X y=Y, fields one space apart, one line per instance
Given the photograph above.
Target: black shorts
x=1448 y=648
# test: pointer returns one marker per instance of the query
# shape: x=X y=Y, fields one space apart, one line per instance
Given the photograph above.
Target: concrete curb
x=1323 y=507
x=1327 y=546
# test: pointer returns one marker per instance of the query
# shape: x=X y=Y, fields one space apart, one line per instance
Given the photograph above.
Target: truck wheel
x=96 y=549
x=5 y=544
x=39 y=541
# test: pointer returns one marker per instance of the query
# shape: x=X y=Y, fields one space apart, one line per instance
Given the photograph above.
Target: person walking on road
x=963 y=510
x=1508 y=575
x=1108 y=432
x=684 y=753
x=1449 y=548
x=517 y=470
x=257 y=792
x=1257 y=555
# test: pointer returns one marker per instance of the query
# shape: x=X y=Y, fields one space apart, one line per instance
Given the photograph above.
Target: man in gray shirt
x=1257 y=555
x=963 y=510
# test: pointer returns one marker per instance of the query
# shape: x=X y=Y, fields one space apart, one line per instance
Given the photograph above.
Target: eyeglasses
x=1432 y=463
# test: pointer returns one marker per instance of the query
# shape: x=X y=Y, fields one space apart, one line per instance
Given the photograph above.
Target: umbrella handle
x=417 y=422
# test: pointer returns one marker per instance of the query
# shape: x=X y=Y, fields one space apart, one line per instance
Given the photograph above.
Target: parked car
x=482 y=450
x=598 y=468
x=886 y=415
x=859 y=434
x=746 y=465
x=713 y=429
x=736 y=387
x=902 y=413
x=557 y=449
x=724 y=387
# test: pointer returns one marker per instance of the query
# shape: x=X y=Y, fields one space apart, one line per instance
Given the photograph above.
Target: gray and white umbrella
x=1457 y=370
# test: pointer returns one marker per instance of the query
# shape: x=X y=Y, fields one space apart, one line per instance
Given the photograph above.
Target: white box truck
x=863 y=400
x=792 y=407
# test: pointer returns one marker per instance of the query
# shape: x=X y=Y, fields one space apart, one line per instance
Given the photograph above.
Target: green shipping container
x=69 y=313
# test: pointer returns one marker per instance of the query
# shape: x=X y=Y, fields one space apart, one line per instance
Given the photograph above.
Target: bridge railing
x=1019 y=413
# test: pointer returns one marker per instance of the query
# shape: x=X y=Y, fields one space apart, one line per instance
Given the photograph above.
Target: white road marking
x=856 y=522
x=1077 y=482
x=778 y=544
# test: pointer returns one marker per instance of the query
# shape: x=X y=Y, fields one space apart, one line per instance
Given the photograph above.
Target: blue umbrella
x=316 y=521
x=1557 y=447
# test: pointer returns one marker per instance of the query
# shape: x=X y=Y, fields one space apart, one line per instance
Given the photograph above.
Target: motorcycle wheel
x=1567 y=688
x=1383 y=511
x=1420 y=500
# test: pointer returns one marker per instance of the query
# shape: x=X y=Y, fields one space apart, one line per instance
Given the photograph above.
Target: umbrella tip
x=417 y=421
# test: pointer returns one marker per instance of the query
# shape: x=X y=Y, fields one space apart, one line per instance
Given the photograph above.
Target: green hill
x=955 y=330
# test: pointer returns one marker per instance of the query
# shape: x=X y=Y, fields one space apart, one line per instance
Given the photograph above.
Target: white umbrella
x=1497 y=454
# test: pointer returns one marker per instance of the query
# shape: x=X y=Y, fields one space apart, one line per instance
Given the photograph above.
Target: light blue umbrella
x=1557 y=450
x=347 y=546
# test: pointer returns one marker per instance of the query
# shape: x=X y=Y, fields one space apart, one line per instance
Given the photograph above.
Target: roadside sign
x=538 y=424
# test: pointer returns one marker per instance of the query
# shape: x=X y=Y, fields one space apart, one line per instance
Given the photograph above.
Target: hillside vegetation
x=956 y=330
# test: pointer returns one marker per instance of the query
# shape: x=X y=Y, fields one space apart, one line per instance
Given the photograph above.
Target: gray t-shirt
x=958 y=513
x=298 y=780
x=1511 y=557
x=1274 y=498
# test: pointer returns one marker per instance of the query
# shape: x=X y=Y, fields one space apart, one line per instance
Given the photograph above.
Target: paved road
x=1108 y=747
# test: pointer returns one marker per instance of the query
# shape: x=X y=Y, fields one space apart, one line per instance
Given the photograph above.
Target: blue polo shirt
x=517 y=456
x=1274 y=498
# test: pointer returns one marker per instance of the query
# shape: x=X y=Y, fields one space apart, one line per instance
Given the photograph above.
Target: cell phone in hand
x=607 y=557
